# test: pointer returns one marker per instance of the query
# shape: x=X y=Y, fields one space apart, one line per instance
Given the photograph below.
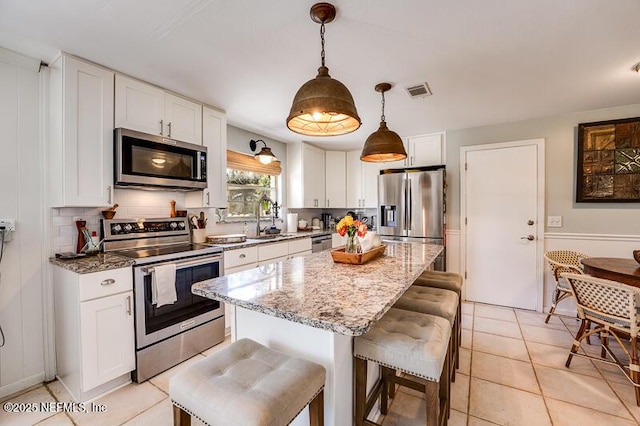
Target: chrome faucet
x=263 y=198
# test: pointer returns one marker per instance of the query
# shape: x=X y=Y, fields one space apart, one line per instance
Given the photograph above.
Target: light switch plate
x=554 y=221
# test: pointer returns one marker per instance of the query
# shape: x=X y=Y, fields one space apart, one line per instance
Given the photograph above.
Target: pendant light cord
x=322 y=41
x=382 y=117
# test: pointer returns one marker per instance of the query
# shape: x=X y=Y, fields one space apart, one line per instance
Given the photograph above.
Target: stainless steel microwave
x=144 y=160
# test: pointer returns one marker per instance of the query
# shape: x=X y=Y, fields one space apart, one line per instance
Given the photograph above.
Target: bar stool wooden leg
x=360 y=369
x=432 y=392
x=181 y=417
x=316 y=410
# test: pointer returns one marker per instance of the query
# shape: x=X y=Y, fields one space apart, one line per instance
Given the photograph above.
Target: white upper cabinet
x=362 y=178
x=146 y=108
x=335 y=179
x=427 y=150
x=305 y=173
x=184 y=119
x=214 y=137
x=139 y=106
x=81 y=145
x=423 y=150
x=370 y=173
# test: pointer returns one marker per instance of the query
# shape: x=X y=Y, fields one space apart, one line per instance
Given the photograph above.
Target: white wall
x=21 y=198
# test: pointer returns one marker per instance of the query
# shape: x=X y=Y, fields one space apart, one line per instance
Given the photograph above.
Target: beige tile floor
x=511 y=373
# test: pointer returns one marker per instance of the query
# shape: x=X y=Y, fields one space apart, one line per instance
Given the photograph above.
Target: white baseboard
x=21 y=385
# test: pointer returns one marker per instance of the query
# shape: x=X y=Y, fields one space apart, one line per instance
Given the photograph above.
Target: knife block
x=80 y=224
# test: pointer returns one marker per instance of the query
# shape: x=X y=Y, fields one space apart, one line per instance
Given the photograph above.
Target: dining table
x=622 y=270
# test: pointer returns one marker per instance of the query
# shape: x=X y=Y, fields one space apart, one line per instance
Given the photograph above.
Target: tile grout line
x=535 y=374
x=46 y=386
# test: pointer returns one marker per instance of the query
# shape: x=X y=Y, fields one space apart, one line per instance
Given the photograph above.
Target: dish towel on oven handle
x=163 y=285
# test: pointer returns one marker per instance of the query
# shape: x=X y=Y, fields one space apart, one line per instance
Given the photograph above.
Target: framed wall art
x=608 y=168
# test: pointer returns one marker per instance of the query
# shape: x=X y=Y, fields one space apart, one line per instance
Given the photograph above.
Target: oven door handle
x=184 y=263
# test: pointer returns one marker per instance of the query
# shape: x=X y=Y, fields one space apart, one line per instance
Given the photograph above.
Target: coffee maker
x=326 y=220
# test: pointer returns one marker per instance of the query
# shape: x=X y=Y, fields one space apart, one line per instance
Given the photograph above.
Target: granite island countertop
x=314 y=291
x=287 y=236
x=89 y=264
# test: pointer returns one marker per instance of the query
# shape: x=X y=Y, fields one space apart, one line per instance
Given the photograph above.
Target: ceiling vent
x=419 y=90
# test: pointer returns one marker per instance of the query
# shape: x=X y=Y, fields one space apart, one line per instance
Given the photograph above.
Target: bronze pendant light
x=323 y=106
x=383 y=144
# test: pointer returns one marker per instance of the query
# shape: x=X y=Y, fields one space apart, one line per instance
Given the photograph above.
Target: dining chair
x=612 y=308
x=561 y=261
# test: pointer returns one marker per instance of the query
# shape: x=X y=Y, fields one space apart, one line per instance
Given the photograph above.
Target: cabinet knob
x=108 y=281
x=242 y=256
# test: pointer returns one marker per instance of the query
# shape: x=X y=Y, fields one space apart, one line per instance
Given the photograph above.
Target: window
x=244 y=189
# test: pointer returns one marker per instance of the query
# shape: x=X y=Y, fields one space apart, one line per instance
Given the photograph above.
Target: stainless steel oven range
x=171 y=333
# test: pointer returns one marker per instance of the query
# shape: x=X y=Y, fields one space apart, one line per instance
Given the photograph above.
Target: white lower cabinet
x=263 y=254
x=337 y=240
x=94 y=329
x=106 y=330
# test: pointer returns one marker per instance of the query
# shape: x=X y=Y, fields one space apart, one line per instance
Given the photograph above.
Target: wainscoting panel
x=596 y=245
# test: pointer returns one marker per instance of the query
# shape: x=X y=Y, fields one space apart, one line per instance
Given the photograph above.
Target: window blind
x=239 y=161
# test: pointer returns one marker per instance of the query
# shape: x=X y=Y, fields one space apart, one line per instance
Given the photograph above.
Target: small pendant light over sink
x=323 y=106
x=383 y=144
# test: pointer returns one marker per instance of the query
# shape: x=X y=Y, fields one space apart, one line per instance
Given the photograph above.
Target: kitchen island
x=312 y=307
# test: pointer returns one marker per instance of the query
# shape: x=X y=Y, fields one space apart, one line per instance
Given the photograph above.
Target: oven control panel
x=149 y=227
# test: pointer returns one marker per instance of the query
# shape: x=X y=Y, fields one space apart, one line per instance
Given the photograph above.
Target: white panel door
x=354 y=180
x=107 y=339
x=139 y=106
x=427 y=150
x=183 y=119
x=370 y=173
x=501 y=238
x=335 y=179
x=88 y=134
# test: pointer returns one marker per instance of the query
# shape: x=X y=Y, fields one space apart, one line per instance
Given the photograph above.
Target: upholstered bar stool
x=434 y=301
x=449 y=281
x=248 y=384
x=414 y=343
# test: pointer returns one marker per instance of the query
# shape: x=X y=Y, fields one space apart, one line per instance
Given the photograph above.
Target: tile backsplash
x=134 y=203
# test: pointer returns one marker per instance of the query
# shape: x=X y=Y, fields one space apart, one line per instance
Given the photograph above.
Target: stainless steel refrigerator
x=411 y=205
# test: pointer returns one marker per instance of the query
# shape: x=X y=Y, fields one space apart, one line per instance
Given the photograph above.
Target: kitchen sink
x=265 y=237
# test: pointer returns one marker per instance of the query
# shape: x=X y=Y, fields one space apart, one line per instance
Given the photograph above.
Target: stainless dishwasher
x=320 y=243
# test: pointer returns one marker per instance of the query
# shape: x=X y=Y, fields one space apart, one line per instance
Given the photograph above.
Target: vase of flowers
x=350 y=227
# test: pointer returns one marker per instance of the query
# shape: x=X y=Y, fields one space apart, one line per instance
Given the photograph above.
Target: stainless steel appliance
x=412 y=205
x=320 y=243
x=154 y=161
x=169 y=334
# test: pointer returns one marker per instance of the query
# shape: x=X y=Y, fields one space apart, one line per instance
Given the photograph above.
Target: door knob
x=528 y=237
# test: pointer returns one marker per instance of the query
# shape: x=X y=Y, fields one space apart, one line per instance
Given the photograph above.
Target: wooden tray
x=339 y=256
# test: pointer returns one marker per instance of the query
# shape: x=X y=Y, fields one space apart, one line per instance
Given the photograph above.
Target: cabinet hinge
x=465 y=166
x=465 y=275
x=465 y=220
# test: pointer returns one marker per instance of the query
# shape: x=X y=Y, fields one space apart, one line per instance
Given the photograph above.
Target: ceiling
x=486 y=62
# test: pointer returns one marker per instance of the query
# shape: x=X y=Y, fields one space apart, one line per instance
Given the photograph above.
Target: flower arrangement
x=350 y=227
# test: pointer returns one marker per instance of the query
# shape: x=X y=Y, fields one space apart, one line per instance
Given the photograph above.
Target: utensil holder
x=198 y=235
